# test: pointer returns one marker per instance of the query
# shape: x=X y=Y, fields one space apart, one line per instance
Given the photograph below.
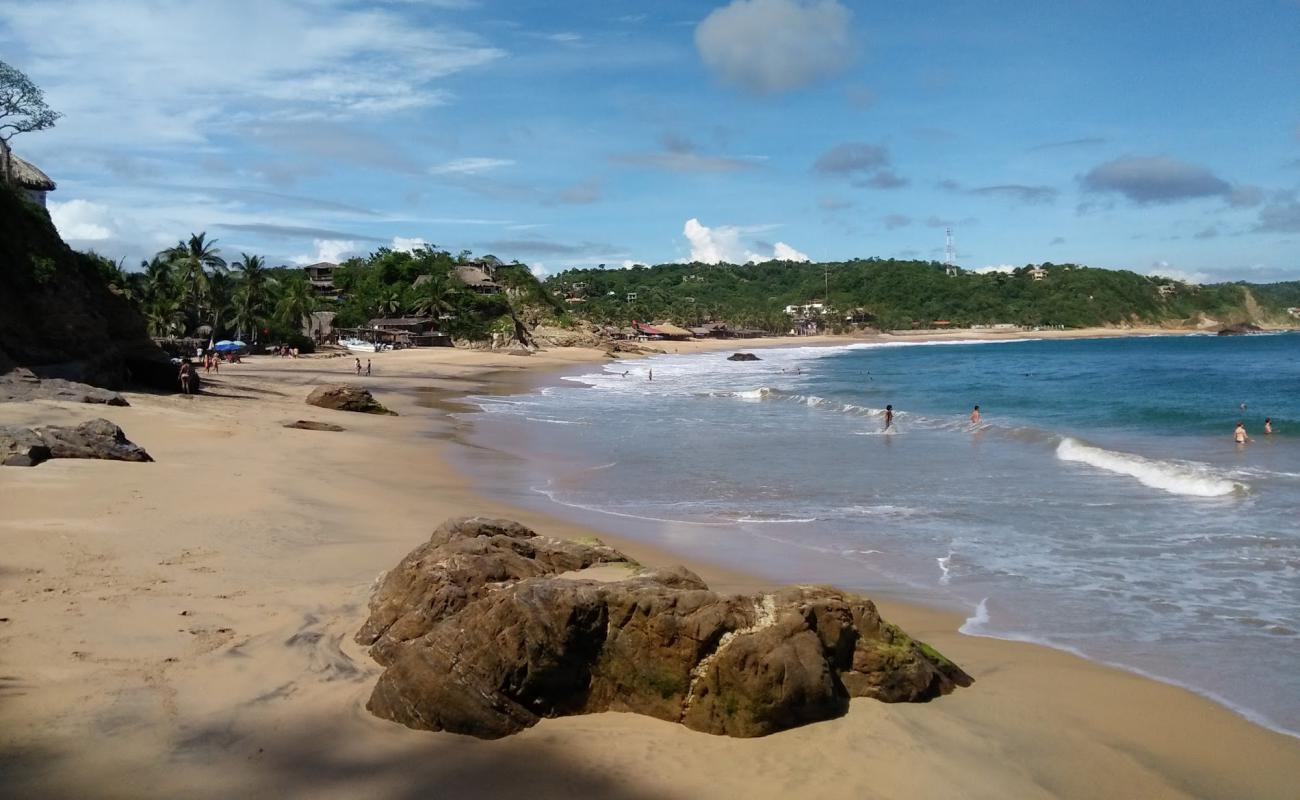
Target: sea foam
x=1193 y=480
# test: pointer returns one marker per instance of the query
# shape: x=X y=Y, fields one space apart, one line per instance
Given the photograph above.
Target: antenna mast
x=949 y=255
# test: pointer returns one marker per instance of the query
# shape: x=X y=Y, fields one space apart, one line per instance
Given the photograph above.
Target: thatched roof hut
x=28 y=176
x=673 y=332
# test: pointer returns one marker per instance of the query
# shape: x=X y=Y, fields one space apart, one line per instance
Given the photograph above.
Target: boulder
x=21 y=447
x=1240 y=329
x=23 y=384
x=478 y=636
x=313 y=425
x=743 y=357
x=97 y=438
x=346 y=397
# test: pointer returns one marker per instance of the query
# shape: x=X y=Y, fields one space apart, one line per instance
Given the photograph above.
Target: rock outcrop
x=60 y=317
x=743 y=357
x=479 y=635
x=98 y=438
x=313 y=425
x=23 y=384
x=346 y=397
x=1240 y=329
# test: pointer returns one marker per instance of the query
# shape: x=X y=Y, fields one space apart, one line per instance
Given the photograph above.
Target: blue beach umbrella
x=225 y=346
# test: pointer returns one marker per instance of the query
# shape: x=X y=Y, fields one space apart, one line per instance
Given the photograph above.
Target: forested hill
x=911 y=294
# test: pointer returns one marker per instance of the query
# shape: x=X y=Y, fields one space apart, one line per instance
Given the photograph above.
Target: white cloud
x=332 y=250
x=994 y=268
x=404 y=245
x=81 y=220
x=173 y=71
x=1163 y=269
x=469 y=166
x=774 y=46
x=784 y=252
x=723 y=243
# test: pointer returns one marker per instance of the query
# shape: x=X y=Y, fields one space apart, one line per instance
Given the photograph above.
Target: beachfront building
x=479 y=278
x=811 y=308
x=663 y=330
x=321 y=277
x=421 y=331
x=1037 y=273
x=30 y=181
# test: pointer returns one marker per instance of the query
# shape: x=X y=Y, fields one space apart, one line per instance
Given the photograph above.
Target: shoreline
x=193 y=617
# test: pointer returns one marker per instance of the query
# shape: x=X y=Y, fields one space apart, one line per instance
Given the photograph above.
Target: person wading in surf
x=889 y=416
x=975 y=416
x=1239 y=435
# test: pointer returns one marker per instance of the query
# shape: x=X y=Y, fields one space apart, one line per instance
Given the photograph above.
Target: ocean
x=1100 y=506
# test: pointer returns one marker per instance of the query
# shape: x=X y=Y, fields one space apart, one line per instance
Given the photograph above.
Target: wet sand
x=184 y=628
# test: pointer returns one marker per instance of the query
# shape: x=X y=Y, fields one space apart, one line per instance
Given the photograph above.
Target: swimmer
x=1239 y=435
x=889 y=416
x=975 y=416
x=1268 y=426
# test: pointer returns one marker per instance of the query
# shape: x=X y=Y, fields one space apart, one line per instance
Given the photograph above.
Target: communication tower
x=949 y=255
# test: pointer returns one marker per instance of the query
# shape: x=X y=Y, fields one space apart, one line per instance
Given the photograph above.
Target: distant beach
x=193 y=619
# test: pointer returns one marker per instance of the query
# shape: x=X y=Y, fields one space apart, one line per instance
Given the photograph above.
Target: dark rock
x=313 y=425
x=479 y=637
x=743 y=357
x=346 y=397
x=23 y=384
x=21 y=447
x=97 y=438
x=60 y=315
x=1240 y=329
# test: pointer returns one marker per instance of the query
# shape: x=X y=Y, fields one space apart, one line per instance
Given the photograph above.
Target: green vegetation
x=896 y=295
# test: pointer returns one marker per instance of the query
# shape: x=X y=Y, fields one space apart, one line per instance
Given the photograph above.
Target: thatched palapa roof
x=28 y=176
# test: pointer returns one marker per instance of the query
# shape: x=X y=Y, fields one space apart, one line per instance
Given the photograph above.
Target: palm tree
x=297 y=302
x=432 y=297
x=250 y=298
x=390 y=304
x=164 y=315
x=220 y=295
x=193 y=259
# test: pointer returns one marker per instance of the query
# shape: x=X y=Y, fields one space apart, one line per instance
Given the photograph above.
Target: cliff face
x=58 y=316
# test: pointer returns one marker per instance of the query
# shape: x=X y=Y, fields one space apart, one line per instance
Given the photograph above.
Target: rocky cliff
x=59 y=317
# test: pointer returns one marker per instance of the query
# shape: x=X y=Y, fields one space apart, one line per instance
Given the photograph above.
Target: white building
x=815 y=308
x=1037 y=273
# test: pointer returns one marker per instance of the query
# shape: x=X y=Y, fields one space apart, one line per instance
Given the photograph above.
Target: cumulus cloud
x=775 y=46
x=1148 y=180
x=1163 y=269
x=724 y=244
x=404 y=244
x=1020 y=193
x=331 y=250
x=994 y=268
x=82 y=221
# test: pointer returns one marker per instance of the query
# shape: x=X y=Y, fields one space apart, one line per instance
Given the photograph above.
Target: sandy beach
x=184 y=628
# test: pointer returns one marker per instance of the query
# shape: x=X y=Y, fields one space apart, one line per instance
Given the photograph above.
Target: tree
x=193 y=258
x=22 y=110
x=250 y=299
x=297 y=302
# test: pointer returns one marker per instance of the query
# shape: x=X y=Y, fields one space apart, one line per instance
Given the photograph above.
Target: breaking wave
x=1193 y=480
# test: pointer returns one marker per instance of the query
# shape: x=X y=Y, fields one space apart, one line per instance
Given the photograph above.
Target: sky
x=1161 y=136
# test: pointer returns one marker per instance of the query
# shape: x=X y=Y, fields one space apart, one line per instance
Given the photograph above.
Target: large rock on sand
x=22 y=384
x=479 y=636
x=98 y=438
x=346 y=397
x=743 y=357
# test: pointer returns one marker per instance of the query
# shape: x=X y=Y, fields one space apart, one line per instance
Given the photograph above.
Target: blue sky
x=1161 y=137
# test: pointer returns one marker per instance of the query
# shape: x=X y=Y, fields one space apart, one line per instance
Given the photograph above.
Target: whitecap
x=1193 y=480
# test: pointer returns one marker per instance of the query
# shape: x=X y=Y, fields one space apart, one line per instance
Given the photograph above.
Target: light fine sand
x=184 y=629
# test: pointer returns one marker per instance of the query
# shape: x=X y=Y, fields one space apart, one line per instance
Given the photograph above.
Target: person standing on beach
x=1239 y=435
x=184 y=375
x=358 y=366
x=889 y=416
x=975 y=416
x=367 y=368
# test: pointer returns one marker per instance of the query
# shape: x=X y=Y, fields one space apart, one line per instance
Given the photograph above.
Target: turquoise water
x=1101 y=506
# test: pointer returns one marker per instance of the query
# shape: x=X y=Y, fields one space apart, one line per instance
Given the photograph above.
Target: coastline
x=186 y=626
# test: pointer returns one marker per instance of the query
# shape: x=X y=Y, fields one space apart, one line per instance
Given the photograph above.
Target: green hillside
x=903 y=294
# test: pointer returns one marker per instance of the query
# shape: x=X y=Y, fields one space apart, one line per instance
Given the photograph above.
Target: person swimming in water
x=1239 y=435
x=889 y=416
x=975 y=416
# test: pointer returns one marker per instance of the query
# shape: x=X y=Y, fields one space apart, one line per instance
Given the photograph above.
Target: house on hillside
x=479 y=278
x=1037 y=273
x=321 y=278
x=1165 y=289
x=33 y=183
